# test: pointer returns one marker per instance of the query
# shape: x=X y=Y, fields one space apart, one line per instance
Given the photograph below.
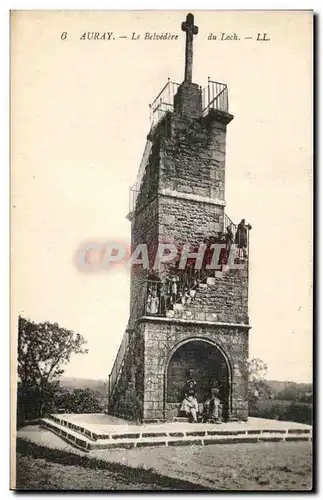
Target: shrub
x=79 y=401
x=284 y=410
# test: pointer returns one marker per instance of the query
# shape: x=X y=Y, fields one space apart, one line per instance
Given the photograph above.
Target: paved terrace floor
x=106 y=424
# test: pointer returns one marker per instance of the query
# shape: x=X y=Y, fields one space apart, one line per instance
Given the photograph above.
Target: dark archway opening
x=207 y=364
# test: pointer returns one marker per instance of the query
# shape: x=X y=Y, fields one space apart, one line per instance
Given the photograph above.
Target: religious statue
x=174 y=288
x=152 y=303
x=164 y=295
x=228 y=239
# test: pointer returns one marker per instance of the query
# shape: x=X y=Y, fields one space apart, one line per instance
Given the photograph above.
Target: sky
x=79 y=120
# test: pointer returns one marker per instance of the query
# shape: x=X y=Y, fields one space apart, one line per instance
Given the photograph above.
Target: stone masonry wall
x=162 y=337
x=186 y=172
x=182 y=199
x=188 y=100
x=192 y=157
x=150 y=180
x=144 y=229
x=188 y=221
x=226 y=297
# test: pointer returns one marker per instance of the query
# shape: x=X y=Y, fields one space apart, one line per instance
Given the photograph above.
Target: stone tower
x=187 y=320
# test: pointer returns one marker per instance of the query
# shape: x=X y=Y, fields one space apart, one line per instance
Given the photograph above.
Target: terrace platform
x=99 y=431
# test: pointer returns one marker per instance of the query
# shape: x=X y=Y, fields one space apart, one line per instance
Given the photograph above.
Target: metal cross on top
x=190 y=29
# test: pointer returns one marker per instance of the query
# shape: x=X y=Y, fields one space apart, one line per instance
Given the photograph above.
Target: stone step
x=176 y=437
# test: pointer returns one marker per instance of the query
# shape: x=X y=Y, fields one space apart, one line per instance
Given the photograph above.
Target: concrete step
x=176 y=437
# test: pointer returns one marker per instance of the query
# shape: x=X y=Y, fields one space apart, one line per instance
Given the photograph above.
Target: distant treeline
x=289 y=401
x=290 y=411
x=288 y=391
x=291 y=391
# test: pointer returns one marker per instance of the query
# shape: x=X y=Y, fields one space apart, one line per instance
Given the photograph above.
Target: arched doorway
x=207 y=363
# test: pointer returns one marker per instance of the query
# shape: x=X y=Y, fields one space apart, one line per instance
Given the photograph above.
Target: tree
x=258 y=388
x=43 y=350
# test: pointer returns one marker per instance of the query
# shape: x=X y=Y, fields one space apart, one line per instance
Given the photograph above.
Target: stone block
x=270 y=439
x=297 y=438
x=184 y=189
x=143 y=444
x=188 y=442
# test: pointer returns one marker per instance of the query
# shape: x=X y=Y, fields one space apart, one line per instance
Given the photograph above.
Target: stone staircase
x=207 y=304
x=173 y=434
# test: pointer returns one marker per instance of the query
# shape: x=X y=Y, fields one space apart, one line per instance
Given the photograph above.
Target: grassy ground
x=45 y=462
x=245 y=466
x=42 y=468
x=41 y=474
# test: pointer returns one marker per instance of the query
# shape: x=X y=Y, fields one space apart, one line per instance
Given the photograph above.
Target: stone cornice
x=159 y=319
x=191 y=197
x=170 y=193
x=218 y=115
x=130 y=215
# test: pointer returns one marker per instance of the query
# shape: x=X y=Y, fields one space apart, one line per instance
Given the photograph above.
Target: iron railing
x=164 y=102
x=113 y=377
x=227 y=222
x=136 y=312
x=215 y=96
x=135 y=188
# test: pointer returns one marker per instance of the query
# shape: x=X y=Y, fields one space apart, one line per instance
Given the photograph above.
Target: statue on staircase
x=174 y=289
x=228 y=240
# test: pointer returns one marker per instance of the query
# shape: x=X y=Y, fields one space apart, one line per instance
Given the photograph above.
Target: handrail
x=217 y=96
x=135 y=188
x=227 y=222
x=163 y=102
x=169 y=82
x=123 y=346
x=198 y=277
x=160 y=93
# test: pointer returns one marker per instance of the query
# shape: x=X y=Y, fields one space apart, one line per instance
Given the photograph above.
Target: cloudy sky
x=80 y=117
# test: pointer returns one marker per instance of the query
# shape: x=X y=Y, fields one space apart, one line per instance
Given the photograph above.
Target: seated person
x=212 y=408
x=189 y=407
